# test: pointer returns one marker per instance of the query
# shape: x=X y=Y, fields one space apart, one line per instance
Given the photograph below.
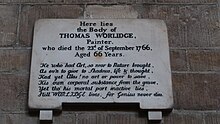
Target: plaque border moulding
x=158 y=26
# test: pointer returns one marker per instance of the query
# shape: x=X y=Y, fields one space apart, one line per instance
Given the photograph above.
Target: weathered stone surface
x=108 y=1
x=178 y=60
x=187 y=1
x=212 y=117
x=184 y=117
x=191 y=23
x=188 y=26
x=196 y=91
x=33 y=1
x=176 y=117
x=204 y=60
x=18 y=118
x=117 y=11
x=102 y=2
x=111 y=118
x=14 y=60
x=8 y=24
x=13 y=94
x=29 y=14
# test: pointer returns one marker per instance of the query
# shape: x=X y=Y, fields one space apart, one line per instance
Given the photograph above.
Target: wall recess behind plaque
x=100 y=61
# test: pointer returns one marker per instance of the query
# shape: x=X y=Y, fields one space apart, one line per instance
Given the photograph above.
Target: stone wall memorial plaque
x=100 y=61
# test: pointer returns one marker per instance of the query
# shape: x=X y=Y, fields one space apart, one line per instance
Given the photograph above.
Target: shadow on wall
x=102 y=107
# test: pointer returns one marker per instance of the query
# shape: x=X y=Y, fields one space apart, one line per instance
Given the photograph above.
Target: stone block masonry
x=194 y=41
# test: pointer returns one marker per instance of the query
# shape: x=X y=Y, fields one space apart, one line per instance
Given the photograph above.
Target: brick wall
x=194 y=40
